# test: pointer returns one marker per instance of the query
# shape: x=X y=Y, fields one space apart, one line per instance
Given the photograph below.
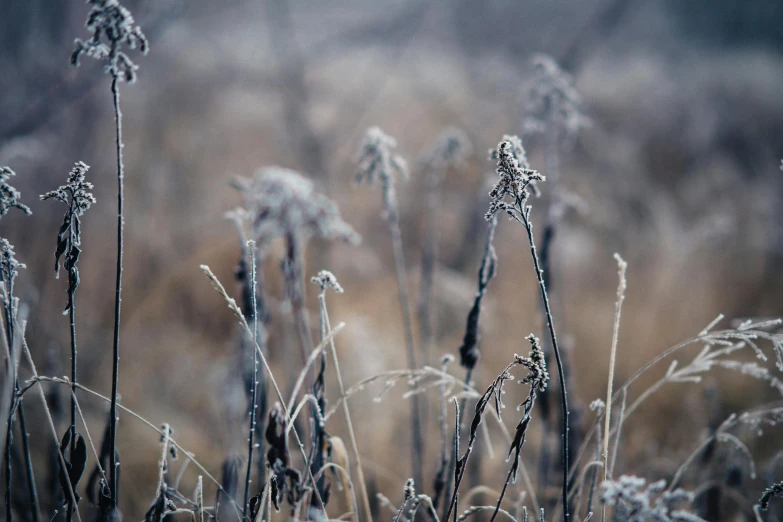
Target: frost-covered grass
x=306 y=453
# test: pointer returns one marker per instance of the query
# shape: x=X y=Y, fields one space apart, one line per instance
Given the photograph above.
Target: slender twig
x=111 y=26
x=75 y=194
x=200 y=499
x=377 y=160
x=469 y=352
x=454 y=457
x=525 y=220
x=254 y=391
x=232 y=305
x=618 y=431
x=8 y=272
x=71 y=494
x=442 y=475
x=621 y=285
x=402 y=290
x=113 y=475
x=28 y=462
x=622 y=265
x=327 y=327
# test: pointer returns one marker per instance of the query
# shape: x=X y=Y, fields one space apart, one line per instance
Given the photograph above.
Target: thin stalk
x=113 y=486
x=294 y=275
x=620 y=420
x=37 y=380
x=297 y=295
x=429 y=260
x=525 y=220
x=8 y=309
x=28 y=464
x=612 y=360
x=402 y=288
x=243 y=322
x=72 y=320
x=621 y=285
x=442 y=475
x=254 y=392
x=455 y=502
x=594 y=476
x=346 y=412
x=16 y=407
x=8 y=445
x=454 y=457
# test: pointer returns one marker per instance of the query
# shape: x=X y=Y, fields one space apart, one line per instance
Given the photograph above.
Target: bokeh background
x=678 y=171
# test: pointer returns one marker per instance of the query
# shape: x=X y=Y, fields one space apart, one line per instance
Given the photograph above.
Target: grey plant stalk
x=75 y=193
x=469 y=352
x=515 y=179
x=109 y=20
x=17 y=406
x=117 y=298
x=525 y=220
x=325 y=328
x=251 y=247
x=449 y=151
x=428 y=261
x=9 y=198
x=402 y=289
x=376 y=160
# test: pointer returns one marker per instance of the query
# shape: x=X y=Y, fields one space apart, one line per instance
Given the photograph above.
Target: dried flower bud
x=283 y=203
x=376 y=160
x=514 y=180
x=9 y=196
x=112 y=26
x=553 y=100
x=598 y=405
x=536 y=363
x=77 y=196
x=75 y=191
x=9 y=266
x=326 y=280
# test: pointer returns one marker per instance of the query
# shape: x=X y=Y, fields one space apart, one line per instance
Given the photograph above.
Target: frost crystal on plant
x=376 y=160
x=9 y=196
x=326 y=280
x=77 y=196
x=112 y=26
x=554 y=101
x=9 y=266
x=636 y=501
x=75 y=191
x=514 y=179
x=536 y=364
x=517 y=149
x=598 y=405
x=283 y=203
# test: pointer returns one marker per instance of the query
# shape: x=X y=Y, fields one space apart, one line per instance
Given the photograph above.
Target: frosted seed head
x=9 y=196
x=9 y=265
x=111 y=26
x=76 y=189
x=553 y=101
x=511 y=188
x=326 y=280
x=376 y=159
x=282 y=203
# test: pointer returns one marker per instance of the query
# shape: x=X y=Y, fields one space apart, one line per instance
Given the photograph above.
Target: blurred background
x=676 y=168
